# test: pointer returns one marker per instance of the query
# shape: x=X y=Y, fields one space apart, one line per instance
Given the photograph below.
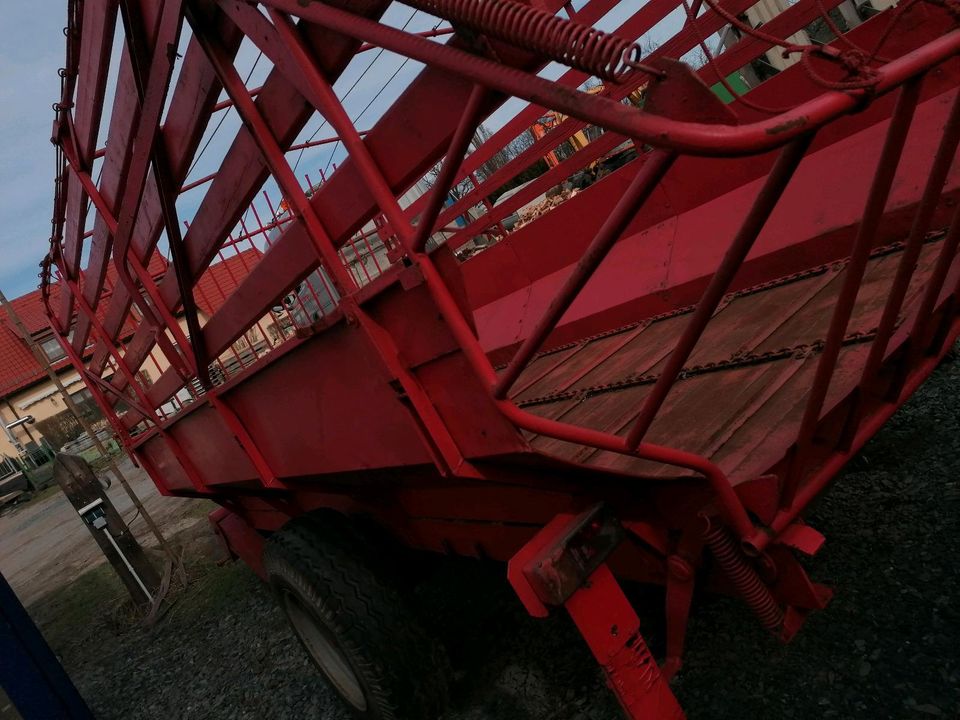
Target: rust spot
x=787 y=126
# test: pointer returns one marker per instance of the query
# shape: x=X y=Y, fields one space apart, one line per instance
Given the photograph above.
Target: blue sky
x=33 y=50
x=29 y=60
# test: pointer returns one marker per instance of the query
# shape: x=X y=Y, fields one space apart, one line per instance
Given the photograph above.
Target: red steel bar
x=315 y=87
x=118 y=358
x=178 y=253
x=223 y=296
x=655 y=166
x=730 y=506
x=919 y=334
x=821 y=477
x=439 y=32
x=690 y=137
x=769 y=195
x=249 y=445
x=236 y=283
x=89 y=187
x=308 y=284
x=93 y=62
x=273 y=155
x=152 y=84
x=451 y=163
x=99 y=398
x=946 y=155
x=859 y=255
x=224 y=104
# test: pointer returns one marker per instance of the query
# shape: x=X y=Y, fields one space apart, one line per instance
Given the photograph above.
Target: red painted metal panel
x=672 y=254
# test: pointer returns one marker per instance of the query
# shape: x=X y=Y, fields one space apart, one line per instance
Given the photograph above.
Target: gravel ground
x=45 y=545
x=886 y=647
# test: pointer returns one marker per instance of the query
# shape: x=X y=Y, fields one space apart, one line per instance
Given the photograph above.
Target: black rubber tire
x=325 y=568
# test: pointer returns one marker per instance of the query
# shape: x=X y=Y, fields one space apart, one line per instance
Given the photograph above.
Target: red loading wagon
x=647 y=379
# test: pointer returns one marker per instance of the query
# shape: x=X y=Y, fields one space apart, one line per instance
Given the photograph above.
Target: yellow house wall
x=29 y=402
x=43 y=400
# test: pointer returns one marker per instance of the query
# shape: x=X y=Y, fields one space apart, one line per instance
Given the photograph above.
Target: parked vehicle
x=13 y=482
x=651 y=381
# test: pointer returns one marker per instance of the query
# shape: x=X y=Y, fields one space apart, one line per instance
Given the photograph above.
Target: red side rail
x=336 y=244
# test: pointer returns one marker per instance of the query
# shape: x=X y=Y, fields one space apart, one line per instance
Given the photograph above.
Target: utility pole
x=132 y=565
x=41 y=358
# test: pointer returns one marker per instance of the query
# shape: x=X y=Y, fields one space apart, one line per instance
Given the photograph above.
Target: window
x=51 y=348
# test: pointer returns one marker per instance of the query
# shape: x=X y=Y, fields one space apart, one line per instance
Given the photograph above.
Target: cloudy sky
x=32 y=52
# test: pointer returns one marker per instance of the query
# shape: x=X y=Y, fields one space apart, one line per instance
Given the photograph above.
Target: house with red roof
x=25 y=388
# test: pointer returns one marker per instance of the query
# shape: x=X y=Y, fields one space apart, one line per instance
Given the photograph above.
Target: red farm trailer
x=700 y=311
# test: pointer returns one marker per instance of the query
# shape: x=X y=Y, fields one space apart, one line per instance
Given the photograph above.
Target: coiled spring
x=744 y=578
x=568 y=42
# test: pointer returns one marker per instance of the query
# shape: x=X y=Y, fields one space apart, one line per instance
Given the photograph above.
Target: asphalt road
x=45 y=545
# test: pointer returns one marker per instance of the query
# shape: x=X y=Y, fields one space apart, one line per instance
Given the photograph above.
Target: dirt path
x=45 y=545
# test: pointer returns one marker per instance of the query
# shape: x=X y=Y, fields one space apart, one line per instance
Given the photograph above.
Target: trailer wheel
x=353 y=621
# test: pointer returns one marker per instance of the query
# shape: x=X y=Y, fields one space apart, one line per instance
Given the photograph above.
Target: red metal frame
x=396 y=402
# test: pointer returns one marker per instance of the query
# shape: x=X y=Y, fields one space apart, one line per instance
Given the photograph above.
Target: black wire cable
x=222 y=118
x=372 y=101
x=347 y=93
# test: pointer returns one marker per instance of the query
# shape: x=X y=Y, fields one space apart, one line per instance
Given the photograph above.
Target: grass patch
x=47 y=492
x=72 y=614
x=213 y=588
x=96 y=610
x=200 y=508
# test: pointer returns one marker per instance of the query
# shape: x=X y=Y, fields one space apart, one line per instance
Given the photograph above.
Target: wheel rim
x=325 y=653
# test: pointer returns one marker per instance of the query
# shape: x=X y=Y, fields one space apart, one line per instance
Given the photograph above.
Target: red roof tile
x=17 y=365
x=222 y=278
x=19 y=369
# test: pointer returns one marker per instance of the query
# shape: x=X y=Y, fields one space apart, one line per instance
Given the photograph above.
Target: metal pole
x=136 y=577
x=132 y=565
x=41 y=358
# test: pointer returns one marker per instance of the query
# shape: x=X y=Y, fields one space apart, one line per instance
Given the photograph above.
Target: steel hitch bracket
x=565 y=565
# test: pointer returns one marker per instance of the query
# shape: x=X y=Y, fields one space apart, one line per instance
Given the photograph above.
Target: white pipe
x=8 y=429
x=126 y=562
